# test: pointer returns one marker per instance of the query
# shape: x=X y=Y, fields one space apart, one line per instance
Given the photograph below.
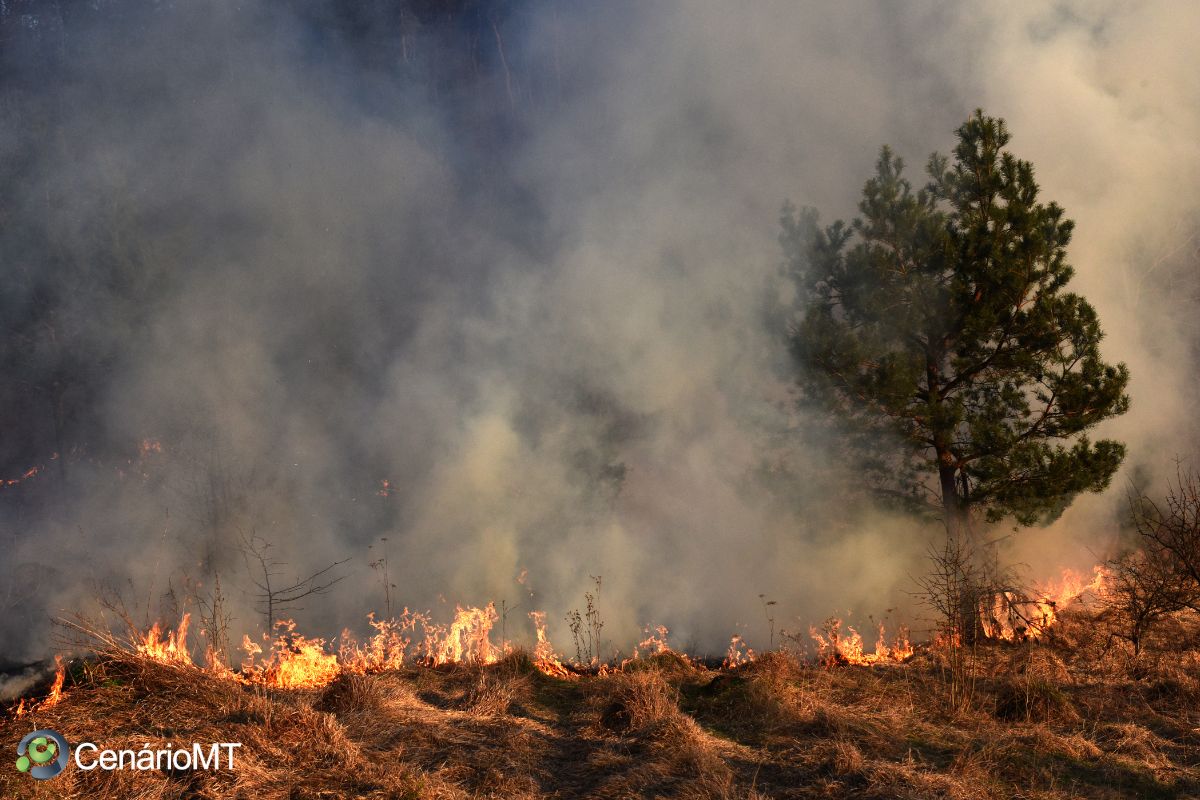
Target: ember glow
x=29 y=473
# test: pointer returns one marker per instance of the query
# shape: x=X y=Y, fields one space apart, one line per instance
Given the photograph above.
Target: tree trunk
x=952 y=504
x=955 y=508
x=958 y=528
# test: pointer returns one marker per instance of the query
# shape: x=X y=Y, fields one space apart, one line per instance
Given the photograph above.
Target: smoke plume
x=515 y=263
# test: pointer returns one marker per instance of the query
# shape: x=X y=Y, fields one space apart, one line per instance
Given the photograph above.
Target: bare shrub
x=1143 y=588
x=1171 y=530
x=952 y=590
x=1162 y=576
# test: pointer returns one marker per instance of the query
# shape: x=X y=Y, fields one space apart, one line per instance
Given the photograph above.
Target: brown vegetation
x=1068 y=716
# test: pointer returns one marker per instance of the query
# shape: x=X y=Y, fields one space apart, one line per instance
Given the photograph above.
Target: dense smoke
x=515 y=262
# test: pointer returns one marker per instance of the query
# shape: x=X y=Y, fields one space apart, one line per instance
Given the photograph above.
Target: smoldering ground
x=514 y=261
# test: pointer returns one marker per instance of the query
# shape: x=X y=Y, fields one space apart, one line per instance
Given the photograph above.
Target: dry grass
x=1063 y=719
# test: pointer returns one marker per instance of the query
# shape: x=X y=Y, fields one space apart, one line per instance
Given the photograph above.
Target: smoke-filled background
x=493 y=281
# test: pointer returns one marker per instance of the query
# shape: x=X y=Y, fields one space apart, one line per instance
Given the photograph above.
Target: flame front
x=292 y=660
x=296 y=661
x=834 y=647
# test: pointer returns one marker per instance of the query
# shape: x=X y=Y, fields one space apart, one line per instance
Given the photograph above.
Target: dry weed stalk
x=586 y=627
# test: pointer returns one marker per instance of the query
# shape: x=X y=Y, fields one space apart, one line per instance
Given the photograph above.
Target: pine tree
x=937 y=333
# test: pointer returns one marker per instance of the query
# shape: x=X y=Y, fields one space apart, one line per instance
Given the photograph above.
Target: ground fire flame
x=169 y=648
x=53 y=698
x=835 y=647
x=291 y=660
x=739 y=653
x=544 y=657
x=1013 y=616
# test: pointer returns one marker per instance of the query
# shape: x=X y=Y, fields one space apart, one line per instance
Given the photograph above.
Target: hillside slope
x=1049 y=720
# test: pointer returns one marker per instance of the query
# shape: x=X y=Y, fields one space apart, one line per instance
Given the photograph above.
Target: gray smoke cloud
x=560 y=363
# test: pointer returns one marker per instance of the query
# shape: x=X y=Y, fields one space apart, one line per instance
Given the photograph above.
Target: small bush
x=350 y=694
x=493 y=693
x=637 y=700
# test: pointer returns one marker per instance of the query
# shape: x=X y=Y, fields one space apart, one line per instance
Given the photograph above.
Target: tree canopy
x=937 y=332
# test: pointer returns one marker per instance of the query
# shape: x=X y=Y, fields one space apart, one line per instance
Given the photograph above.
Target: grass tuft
x=1055 y=721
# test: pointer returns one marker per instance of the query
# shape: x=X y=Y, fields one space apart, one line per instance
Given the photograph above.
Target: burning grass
x=1057 y=717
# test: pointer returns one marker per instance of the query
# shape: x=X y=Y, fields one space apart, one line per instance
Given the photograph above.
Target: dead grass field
x=1053 y=720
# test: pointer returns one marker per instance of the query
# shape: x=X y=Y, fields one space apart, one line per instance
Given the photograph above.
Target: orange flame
x=296 y=661
x=834 y=647
x=1009 y=616
x=213 y=664
x=168 y=648
x=467 y=639
x=56 y=692
x=739 y=653
x=544 y=657
x=655 y=642
x=383 y=651
x=52 y=699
